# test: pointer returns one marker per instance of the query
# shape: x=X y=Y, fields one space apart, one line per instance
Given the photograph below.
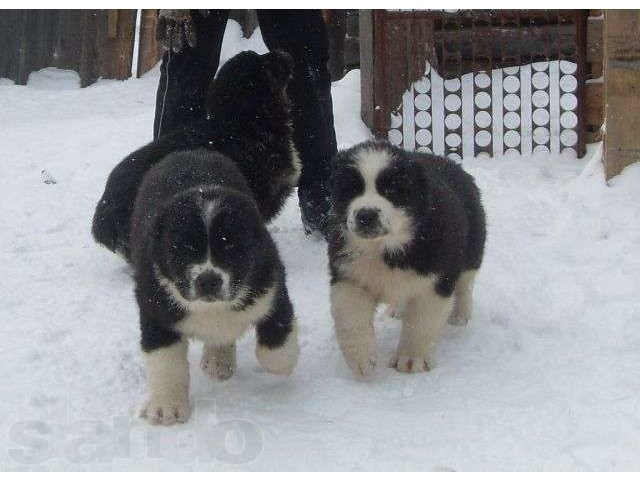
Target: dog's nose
x=367 y=218
x=208 y=283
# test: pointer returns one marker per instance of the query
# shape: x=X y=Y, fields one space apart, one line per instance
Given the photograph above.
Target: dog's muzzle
x=208 y=287
x=367 y=223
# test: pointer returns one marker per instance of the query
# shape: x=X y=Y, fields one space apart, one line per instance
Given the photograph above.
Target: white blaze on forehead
x=209 y=212
x=370 y=162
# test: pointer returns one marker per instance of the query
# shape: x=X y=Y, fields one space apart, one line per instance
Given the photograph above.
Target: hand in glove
x=175 y=27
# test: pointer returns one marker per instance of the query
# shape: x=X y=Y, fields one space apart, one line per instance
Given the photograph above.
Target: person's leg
x=303 y=34
x=185 y=76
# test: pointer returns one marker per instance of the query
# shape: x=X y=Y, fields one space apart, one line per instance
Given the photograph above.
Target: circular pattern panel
x=568 y=101
x=452 y=85
x=511 y=138
x=569 y=138
x=452 y=102
x=540 y=116
x=482 y=80
x=423 y=137
x=423 y=119
x=453 y=140
x=396 y=120
x=511 y=120
x=541 y=135
x=568 y=83
x=422 y=101
x=483 y=119
x=452 y=121
x=567 y=67
x=540 y=80
x=395 y=137
x=483 y=100
x=483 y=138
x=511 y=102
x=511 y=84
x=540 y=98
x=568 y=120
x=423 y=85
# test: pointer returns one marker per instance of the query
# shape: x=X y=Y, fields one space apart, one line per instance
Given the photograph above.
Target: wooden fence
x=100 y=43
x=496 y=81
x=391 y=52
x=95 y=43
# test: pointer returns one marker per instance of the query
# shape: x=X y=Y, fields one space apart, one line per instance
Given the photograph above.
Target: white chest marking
x=218 y=324
x=387 y=285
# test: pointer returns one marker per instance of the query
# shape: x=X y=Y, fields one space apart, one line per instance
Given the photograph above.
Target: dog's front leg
x=219 y=361
x=277 y=348
x=353 y=309
x=463 y=299
x=168 y=378
x=421 y=329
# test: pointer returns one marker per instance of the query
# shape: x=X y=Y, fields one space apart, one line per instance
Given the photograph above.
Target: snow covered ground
x=546 y=376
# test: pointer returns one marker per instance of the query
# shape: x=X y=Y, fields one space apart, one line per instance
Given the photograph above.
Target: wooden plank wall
x=622 y=89
x=593 y=111
x=95 y=43
x=367 y=58
x=149 y=50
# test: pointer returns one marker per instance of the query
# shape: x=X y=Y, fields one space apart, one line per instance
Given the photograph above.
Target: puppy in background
x=205 y=267
x=248 y=120
x=408 y=230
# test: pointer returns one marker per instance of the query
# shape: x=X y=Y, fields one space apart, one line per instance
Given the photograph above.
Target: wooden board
x=367 y=101
x=150 y=51
x=594 y=104
x=594 y=39
x=622 y=89
x=116 y=52
x=95 y=43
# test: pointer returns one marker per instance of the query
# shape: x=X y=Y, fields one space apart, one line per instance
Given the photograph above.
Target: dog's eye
x=347 y=184
x=394 y=188
x=390 y=187
x=227 y=244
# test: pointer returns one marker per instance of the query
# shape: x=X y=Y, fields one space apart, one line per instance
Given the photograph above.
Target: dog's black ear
x=336 y=164
x=280 y=64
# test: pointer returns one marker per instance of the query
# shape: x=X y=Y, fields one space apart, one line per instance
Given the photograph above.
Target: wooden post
x=116 y=34
x=336 y=21
x=622 y=89
x=149 y=51
x=367 y=58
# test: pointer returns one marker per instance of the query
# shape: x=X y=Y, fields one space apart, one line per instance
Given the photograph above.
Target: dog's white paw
x=162 y=411
x=407 y=364
x=218 y=367
x=281 y=360
x=461 y=313
x=362 y=364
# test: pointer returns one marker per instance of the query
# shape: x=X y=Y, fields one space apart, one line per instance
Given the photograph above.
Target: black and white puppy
x=205 y=267
x=407 y=230
x=249 y=120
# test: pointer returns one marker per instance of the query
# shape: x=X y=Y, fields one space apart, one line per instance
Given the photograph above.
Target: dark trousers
x=185 y=77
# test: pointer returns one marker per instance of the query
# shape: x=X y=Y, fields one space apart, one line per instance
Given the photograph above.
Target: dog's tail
x=109 y=227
